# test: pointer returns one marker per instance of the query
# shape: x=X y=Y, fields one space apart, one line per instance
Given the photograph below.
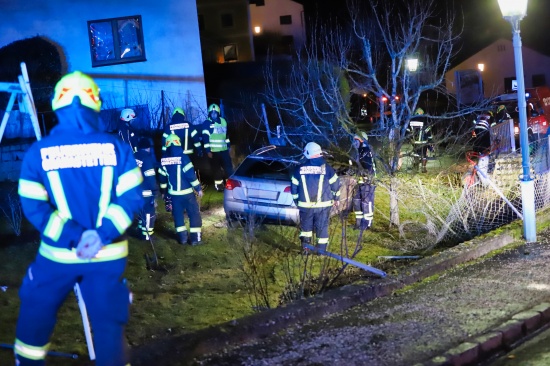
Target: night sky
x=483 y=22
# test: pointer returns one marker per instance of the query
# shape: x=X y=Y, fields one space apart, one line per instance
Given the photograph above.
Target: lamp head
x=513 y=9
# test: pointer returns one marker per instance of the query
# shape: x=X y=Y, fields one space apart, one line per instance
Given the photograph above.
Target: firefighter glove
x=89 y=245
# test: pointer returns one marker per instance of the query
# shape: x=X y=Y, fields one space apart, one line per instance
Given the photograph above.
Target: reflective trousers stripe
x=109 y=252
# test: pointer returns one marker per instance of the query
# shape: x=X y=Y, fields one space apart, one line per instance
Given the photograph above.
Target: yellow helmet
x=214 y=107
x=76 y=84
x=172 y=139
x=419 y=111
x=178 y=110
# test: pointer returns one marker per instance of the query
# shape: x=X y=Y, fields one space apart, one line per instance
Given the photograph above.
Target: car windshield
x=265 y=169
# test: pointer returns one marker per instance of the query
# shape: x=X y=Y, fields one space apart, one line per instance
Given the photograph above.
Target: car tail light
x=232 y=183
x=287 y=189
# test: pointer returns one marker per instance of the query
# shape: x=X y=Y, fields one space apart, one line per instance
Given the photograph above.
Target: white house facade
x=498 y=68
x=167 y=56
x=285 y=17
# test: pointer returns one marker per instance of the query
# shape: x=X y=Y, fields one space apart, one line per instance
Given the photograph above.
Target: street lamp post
x=513 y=11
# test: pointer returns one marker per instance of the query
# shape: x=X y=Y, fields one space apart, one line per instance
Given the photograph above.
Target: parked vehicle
x=259 y=189
x=538 y=110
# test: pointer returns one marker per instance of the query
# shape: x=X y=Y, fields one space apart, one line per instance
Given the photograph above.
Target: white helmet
x=312 y=150
x=127 y=115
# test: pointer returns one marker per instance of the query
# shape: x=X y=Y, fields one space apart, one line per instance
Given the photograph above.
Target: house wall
x=215 y=36
x=498 y=59
x=171 y=38
x=268 y=18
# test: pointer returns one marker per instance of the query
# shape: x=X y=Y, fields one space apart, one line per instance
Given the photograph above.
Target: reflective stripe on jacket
x=315 y=184
x=177 y=173
x=214 y=135
x=188 y=134
x=67 y=188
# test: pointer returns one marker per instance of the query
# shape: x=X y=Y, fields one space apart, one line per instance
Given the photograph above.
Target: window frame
x=116 y=47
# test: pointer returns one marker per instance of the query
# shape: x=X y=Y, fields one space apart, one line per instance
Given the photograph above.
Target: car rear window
x=265 y=169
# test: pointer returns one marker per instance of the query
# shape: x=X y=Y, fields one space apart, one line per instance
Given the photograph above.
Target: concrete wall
x=498 y=59
x=171 y=38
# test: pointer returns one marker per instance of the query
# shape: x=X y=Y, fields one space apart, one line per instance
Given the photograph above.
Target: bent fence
x=492 y=197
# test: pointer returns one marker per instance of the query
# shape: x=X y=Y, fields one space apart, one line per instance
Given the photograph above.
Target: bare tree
x=312 y=99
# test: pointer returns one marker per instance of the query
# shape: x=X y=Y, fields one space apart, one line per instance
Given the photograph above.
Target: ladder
x=22 y=90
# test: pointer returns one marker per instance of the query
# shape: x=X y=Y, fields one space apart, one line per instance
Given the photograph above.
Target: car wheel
x=232 y=222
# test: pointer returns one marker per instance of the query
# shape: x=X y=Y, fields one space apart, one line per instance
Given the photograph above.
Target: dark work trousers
x=363 y=205
x=105 y=293
x=147 y=218
x=219 y=160
x=180 y=205
x=315 y=219
x=196 y=163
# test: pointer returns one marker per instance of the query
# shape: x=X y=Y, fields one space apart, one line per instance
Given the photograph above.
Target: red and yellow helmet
x=76 y=84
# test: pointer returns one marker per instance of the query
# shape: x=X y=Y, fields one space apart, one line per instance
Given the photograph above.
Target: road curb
x=499 y=339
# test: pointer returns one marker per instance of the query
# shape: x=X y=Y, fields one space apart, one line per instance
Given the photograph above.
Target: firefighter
x=315 y=189
x=482 y=133
x=189 y=136
x=363 y=199
x=146 y=163
x=127 y=132
x=190 y=142
x=502 y=114
x=421 y=137
x=80 y=187
x=178 y=179
x=216 y=145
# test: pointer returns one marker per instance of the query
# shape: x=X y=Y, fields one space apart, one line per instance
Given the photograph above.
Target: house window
x=539 y=80
x=201 y=22
x=227 y=20
x=257 y=2
x=501 y=48
x=285 y=19
x=230 y=53
x=116 y=41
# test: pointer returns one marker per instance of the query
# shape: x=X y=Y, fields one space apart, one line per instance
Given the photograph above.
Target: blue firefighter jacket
x=177 y=174
x=145 y=162
x=78 y=179
x=315 y=184
x=128 y=135
x=190 y=137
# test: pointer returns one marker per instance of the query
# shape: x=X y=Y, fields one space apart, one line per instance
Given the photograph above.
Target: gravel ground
x=415 y=325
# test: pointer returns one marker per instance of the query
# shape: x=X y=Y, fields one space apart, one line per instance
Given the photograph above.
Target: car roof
x=272 y=152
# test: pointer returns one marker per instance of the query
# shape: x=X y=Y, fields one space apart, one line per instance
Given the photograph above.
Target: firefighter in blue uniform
x=80 y=187
x=178 y=179
x=126 y=131
x=216 y=145
x=315 y=189
x=188 y=134
x=190 y=139
x=363 y=199
x=146 y=163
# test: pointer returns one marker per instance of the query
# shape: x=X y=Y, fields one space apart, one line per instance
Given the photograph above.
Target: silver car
x=259 y=189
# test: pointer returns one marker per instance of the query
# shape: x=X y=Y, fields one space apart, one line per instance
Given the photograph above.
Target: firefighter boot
x=195 y=239
x=183 y=238
x=321 y=248
x=305 y=241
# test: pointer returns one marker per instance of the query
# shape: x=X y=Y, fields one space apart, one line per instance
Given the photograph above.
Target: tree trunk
x=394 y=208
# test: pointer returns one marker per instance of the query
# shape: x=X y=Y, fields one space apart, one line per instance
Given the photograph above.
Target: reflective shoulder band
x=109 y=252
